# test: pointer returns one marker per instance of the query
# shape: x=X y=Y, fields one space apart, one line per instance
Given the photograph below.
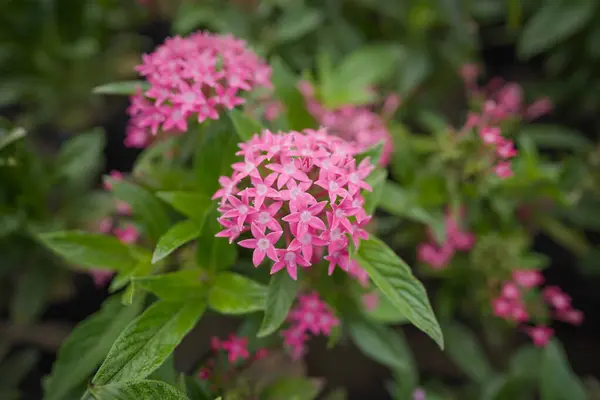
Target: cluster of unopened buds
x=126 y=233
x=501 y=101
x=310 y=316
x=301 y=189
x=192 y=77
x=511 y=304
x=439 y=256
x=356 y=124
x=238 y=356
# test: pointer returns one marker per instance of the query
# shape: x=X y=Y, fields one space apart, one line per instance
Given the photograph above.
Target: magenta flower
x=100 y=277
x=527 y=278
x=309 y=315
x=262 y=244
x=193 y=77
x=128 y=234
x=236 y=347
x=540 y=335
x=301 y=187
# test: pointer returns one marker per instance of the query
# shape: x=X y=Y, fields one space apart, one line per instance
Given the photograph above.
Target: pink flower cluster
x=126 y=233
x=356 y=124
x=501 y=101
x=303 y=188
x=236 y=349
x=511 y=305
x=310 y=315
x=438 y=256
x=196 y=76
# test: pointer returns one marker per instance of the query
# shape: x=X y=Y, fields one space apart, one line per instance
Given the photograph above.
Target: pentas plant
x=297 y=194
x=211 y=197
x=193 y=77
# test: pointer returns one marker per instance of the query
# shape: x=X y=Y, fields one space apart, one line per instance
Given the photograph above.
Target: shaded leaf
x=191 y=204
x=395 y=279
x=244 y=125
x=557 y=381
x=178 y=235
x=293 y=389
x=181 y=285
x=82 y=352
x=280 y=297
x=236 y=294
x=125 y=88
x=465 y=352
x=381 y=343
x=296 y=23
x=146 y=390
x=148 y=341
x=377 y=181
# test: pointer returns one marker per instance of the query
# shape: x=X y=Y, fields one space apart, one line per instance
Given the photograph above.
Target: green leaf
x=15 y=368
x=90 y=250
x=553 y=23
x=385 y=312
x=145 y=205
x=214 y=158
x=148 y=341
x=285 y=83
x=381 y=343
x=366 y=66
x=280 y=296
x=377 y=181
x=244 y=125
x=296 y=23
x=373 y=152
x=235 y=294
x=178 y=235
x=293 y=389
x=80 y=158
x=82 y=352
x=191 y=204
x=31 y=294
x=557 y=381
x=465 y=352
x=395 y=279
x=125 y=88
x=569 y=238
x=181 y=285
x=214 y=253
x=556 y=137
x=146 y=390
x=11 y=136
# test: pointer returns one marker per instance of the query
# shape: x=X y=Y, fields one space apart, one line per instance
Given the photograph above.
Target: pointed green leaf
x=280 y=296
x=140 y=390
x=556 y=137
x=125 y=88
x=385 y=312
x=235 y=294
x=186 y=284
x=214 y=253
x=381 y=343
x=86 y=347
x=178 y=235
x=557 y=380
x=191 y=204
x=32 y=290
x=373 y=152
x=16 y=367
x=214 y=158
x=293 y=388
x=285 y=82
x=466 y=353
x=80 y=158
x=244 y=125
x=10 y=136
x=395 y=279
x=91 y=250
x=148 y=341
x=377 y=181
x=144 y=205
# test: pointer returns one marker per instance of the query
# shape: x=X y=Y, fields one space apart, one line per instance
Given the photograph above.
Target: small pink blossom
x=503 y=170
x=128 y=234
x=263 y=244
x=527 y=278
x=370 y=301
x=309 y=315
x=557 y=298
x=539 y=108
x=115 y=176
x=104 y=225
x=540 y=335
x=101 y=277
x=490 y=135
x=236 y=347
x=419 y=394
x=510 y=291
x=570 y=316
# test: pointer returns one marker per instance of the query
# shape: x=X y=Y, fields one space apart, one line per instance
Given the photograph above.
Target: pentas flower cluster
x=439 y=256
x=126 y=233
x=297 y=194
x=310 y=316
x=235 y=349
x=501 y=102
x=356 y=124
x=192 y=77
x=511 y=305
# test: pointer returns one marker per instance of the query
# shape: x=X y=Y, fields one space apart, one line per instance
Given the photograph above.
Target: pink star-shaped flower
x=237 y=348
x=287 y=171
x=289 y=259
x=265 y=217
x=262 y=244
x=262 y=189
x=307 y=217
